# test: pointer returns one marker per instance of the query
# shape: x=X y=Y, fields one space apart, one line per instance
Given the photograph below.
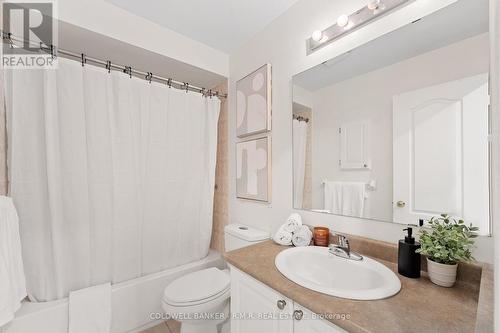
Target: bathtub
x=133 y=303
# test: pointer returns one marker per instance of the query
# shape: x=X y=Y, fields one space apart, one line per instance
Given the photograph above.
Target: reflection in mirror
x=397 y=129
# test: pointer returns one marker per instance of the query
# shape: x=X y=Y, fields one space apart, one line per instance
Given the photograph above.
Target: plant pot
x=441 y=274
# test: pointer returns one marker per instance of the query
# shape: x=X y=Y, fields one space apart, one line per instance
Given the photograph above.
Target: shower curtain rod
x=9 y=38
x=300 y=118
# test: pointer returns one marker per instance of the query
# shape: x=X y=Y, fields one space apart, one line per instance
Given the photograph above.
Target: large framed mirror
x=398 y=129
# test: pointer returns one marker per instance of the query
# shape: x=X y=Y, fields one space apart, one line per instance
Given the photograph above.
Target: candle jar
x=321 y=236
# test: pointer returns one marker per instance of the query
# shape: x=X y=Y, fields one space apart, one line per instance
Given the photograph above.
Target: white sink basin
x=317 y=269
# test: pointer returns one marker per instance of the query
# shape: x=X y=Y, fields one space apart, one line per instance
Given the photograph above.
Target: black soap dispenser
x=408 y=259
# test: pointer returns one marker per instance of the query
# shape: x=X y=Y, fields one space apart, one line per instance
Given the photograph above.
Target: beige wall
x=221 y=199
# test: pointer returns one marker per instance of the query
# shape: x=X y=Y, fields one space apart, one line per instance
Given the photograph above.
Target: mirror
x=397 y=129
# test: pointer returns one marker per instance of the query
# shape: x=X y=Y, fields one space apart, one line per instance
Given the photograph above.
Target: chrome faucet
x=343 y=249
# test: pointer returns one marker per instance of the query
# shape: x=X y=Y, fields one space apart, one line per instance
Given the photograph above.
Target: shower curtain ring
x=84 y=60
x=53 y=51
x=9 y=38
x=187 y=86
x=128 y=70
x=108 y=66
x=149 y=77
x=169 y=83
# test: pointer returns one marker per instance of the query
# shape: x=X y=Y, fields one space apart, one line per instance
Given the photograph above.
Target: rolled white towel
x=293 y=223
x=283 y=237
x=302 y=237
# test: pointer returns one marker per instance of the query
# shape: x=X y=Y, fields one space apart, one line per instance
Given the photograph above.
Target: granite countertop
x=420 y=306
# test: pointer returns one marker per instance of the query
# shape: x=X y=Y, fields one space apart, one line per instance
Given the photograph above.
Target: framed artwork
x=253 y=102
x=253 y=169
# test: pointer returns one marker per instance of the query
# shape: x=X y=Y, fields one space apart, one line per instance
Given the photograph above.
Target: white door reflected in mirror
x=446 y=167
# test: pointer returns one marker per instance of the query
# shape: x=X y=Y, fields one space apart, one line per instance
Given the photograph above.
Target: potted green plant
x=447 y=243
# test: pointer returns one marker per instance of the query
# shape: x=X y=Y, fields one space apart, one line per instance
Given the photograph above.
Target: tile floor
x=170 y=326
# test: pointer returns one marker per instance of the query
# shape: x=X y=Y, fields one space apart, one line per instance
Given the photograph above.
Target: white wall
x=103 y=17
x=368 y=99
x=303 y=97
x=282 y=44
x=495 y=107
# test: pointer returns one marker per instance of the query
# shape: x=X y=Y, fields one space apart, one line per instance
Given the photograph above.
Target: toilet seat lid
x=197 y=286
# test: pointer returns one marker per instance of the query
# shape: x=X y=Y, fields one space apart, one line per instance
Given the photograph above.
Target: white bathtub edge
x=132 y=301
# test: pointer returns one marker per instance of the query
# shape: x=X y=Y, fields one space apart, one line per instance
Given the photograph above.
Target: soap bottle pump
x=408 y=259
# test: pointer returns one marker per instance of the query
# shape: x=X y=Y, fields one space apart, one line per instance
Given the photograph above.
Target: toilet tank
x=239 y=235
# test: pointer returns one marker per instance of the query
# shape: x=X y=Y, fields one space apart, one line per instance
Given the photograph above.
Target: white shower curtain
x=113 y=177
x=299 y=161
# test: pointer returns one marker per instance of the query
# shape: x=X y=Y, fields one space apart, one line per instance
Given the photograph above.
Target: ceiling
x=447 y=26
x=221 y=24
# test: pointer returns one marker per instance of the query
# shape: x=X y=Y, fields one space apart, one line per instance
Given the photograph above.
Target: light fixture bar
x=348 y=23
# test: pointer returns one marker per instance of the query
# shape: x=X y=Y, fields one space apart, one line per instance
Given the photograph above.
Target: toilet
x=200 y=300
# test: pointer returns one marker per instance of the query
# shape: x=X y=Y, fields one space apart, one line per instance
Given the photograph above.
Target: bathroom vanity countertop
x=420 y=306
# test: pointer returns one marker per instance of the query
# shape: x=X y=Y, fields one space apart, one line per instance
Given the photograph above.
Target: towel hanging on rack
x=345 y=198
x=370 y=186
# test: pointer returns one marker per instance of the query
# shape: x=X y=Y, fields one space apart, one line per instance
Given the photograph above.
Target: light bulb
x=373 y=4
x=343 y=20
x=317 y=35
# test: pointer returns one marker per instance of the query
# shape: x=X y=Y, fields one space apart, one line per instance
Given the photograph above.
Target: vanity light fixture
x=347 y=23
